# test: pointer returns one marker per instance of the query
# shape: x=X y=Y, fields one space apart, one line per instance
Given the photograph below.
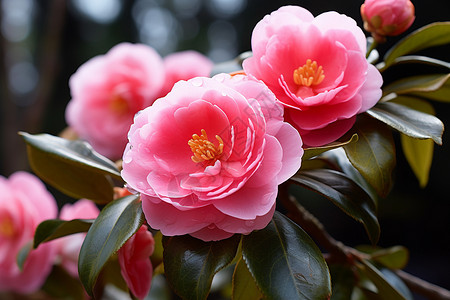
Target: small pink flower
x=317 y=69
x=208 y=158
x=184 y=65
x=108 y=90
x=69 y=246
x=24 y=203
x=387 y=17
x=135 y=265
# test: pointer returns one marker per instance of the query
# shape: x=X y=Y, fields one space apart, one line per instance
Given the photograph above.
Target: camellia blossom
x=108 y=90
x=184 y=65
x=24 y=203
x=317 y=69
x=135 y=265
x=208 y=158
x=69 y=246
x=387 y=17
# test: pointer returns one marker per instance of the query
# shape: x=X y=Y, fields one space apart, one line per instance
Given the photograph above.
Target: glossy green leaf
x=244 y=286
x=431 y=35
x=52 y=229
x=343 y=281
x=433 y=86
x=61 y=285
x=345 y=194
x=23 y=254
x=416 y=59
x=441 y=94
x=72 y=167
x=374 y=154
x=397 y=283
x=314 y=151
x=385 y=289
x=285 y=262
x=410 y=122
x=115 y=224
x=338 y=157
x=190 y=264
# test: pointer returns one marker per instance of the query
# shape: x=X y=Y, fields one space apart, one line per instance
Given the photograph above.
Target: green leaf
x=115 y=224
x=433 y=86
x=397 y=283
x=442 y=93
x=411 y=122
x=23 y=254
x=190 y=264
x=419 y=154
x=338 y=157
x=432 y=35
x=416 y=59
x=393 y=258
x=314 y=151
x=52 y=229
x=345 y=194
x=374 y=154
x=244 y=286
x=385 y=289
x=343 y=280
x=72 y=167
x=285 y=262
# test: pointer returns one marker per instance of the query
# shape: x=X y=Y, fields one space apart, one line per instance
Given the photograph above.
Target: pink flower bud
x=387 y=17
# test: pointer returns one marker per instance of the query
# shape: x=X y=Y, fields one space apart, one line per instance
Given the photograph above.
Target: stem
x=420 y=286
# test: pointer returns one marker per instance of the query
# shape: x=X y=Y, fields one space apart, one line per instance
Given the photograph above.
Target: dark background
x=44 y=42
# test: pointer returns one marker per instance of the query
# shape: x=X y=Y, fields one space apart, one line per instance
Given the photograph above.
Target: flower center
x=309 y=74
x=6 y=227
x=118 y=104
x=203 y=149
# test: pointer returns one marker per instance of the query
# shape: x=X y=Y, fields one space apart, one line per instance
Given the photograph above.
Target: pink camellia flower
x=24 y=203
x=108 y=90
x=387 y=17
x=317 y=69
x=69 y=246
x=135 y=265
x=184 y=65
x=208 y=158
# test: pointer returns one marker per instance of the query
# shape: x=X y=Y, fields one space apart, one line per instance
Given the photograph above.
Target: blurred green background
x=43 y=42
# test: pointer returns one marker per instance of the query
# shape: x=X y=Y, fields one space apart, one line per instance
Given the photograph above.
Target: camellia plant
x=193 y=164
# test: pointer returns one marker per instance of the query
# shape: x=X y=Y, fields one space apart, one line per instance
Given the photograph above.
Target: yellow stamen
x=6 y=227
x=203 y=149
x=309 y=74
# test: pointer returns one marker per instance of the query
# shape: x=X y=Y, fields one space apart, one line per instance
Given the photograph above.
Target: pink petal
x=172 y=221
x=328 y=134
x=371 y=90
x=291 y=143
x=247 y=203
